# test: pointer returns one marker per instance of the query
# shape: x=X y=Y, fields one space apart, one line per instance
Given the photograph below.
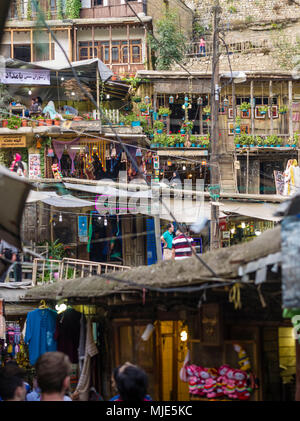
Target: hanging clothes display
x=40 y=329
x=67 y=333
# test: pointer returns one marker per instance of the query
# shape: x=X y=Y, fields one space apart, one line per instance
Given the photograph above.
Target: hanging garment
x=40 y=329
x=67 y=333
x=85 y=377
x=82 y=338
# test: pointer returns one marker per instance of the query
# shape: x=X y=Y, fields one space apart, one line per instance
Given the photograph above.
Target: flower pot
x=24 y=123
x=122 y=123
x=260 y=146
x=177 y=145
x=56 y=122
x=278 y=146
x=182 y=145
x=159 y=131
x=182 y=131
x=193 y=145
x=238 y=130
x=252 y=146
x=272 y=146
x=165 y=115
x=263 y=112
x=137 y=100
x=4 y=123
x=41 y=122
x=152 y=145
x=282 y=112
x=135 y=123
x=143 y=110
x=151 y=111
x=237 y=145
x=293 y=146
x=245 y=146
x=78 y=118
x=244 y=109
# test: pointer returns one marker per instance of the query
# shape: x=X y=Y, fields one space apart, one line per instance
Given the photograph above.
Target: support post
x=297 y=397
x=98 y=97
x=252 y=108
x=31 y=46
x=247 y=174
x=70 y=45
x=93 y=40
x=12 y=44
x=271 y=105
x=214 y=159
x=110 y=47
x=157 y=237
x=50 y=46
x=291 y=134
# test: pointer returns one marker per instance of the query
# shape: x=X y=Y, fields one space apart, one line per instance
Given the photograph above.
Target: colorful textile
x=182 y=247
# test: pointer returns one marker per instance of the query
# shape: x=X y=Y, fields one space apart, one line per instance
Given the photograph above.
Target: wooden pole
x=128 y=46
x=291 y=108
x=93 y=40
x=247 y=175
x=110 y=47
x=252 y=108
x=157 y=237
x=214 y=160
x=31 y=46
x=75 y=45
x=70 y=45
x=50 y=46
x=175 y=362
x=271 y=105
x=12 y=44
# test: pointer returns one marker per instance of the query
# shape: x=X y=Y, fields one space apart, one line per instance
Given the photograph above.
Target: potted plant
x=259 y=141
x=41 y=120
x=14 y=123
x=263 y=109
x=295 y=140
x=142 y=107
x=79 y=118
x=159 y=126
x=206 y=110
x=136 y=99
x=189 y=125
x=24 y=122
x=245 y=106
x=283 y=109
x=271 y=141
x=163 y=111
x=193 y=140
x=279 y=142
x=49 y=122
x=205 y=141
x=237 y=141
x=57 y=121
x=4 y=122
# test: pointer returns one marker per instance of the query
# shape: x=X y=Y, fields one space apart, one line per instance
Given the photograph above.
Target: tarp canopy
x=13 y=192
x=264 y=211
x=53 y=199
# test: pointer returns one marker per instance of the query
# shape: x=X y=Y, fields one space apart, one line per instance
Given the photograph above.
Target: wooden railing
x=57 y=270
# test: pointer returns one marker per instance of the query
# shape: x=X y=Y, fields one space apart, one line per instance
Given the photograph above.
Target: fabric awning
x=264 y=211
x=53 y=199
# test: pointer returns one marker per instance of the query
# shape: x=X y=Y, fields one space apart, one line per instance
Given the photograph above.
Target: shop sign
x=12 y=141
x=34 y=165
x=226 y=234
x=25 y=77
x=83 y=229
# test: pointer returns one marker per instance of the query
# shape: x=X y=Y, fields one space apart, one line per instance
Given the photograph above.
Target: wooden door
x=133 y=242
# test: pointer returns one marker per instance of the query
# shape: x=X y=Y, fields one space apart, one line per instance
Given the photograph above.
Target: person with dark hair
x=183 y=245
x=131 y=383
x=98 y=170
x=167 y=239
x=12 y=385
x=53 y=371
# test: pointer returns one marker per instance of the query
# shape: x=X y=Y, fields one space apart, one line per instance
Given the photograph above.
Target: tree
x=59 y=9
x=29 y=10
x=169 y=44
x=73 y=9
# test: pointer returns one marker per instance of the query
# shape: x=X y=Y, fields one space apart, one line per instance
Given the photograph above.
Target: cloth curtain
x=72 y=155
x=59 y=150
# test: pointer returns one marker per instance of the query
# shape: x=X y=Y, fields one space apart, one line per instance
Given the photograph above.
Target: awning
x=53 y=199
x=264 y=211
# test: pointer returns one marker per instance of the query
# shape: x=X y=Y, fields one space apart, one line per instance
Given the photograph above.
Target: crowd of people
x=52 y=382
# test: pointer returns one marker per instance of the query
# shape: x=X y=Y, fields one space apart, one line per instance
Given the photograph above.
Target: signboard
x=12 y=141
x=34 y=165
x=25 y=77
x=156 y=162
x=83 y=229
x=226 y=234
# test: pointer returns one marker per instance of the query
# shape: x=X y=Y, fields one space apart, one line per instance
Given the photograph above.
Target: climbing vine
x=29 y=10
x=59 y=10
x=73 y=9
x=49 y=10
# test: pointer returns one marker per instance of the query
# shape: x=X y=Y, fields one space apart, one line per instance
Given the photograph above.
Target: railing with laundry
x=57 y=270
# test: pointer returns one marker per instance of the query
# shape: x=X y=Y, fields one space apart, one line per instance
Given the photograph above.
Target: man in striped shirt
x=181 y=246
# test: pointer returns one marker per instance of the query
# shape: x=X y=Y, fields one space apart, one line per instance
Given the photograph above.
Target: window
x=135 y=54
x=97 y=3
x=41 y=52
x=124 y=54
x=119 y=51
x=115 y=55
x=22 y=52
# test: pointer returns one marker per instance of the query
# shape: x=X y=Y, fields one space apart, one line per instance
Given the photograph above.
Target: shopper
x=12 y=385
x=167 y=239
x=202 y=47
x=11 y=253
x=53 y=371
x=183 y=245
x=131 y=383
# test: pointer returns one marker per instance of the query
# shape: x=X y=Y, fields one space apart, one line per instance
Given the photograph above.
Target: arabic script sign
x=12 y=141
x=25 y=77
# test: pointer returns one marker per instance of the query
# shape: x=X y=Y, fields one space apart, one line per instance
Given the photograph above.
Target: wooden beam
x=12 y=43
x=110 y=47
x=290 y=84
x=271 y=105
x=93 y=40
x=128 y=46
x=252 y=107
x=70 y=45
x=50 y=46
x=31 y=46
x=75 y=45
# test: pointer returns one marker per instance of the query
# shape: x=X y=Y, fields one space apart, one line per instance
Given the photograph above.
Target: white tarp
x=264 y=211
x=53 y=199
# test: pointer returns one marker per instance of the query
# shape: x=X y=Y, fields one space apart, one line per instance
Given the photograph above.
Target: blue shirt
x=168 y=238
x=40 y=329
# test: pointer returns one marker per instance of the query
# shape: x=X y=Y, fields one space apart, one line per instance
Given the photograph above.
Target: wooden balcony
x=112 y=11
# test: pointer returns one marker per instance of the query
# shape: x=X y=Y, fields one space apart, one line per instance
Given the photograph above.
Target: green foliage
x=232 y=9
x=14 y=122
x=170 y=44
x=133 y=81
x=283 y=109
x=49 y=10
x=198 y=29
x=159 y=125
x=286 y=53
x=59 y=9
x=245 y=106
x=56 y=250
x=162 y=138
x=164 y=110
x=237 y=121
x=206 y=109
x=73 y=9
x=143 y=106
x=263 y=109
x=188 y=125
x=29 y=10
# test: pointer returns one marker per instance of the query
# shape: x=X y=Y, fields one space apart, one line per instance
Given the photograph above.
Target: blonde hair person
x=291 y=178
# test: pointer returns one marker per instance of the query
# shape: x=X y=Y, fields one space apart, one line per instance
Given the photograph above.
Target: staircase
x=227 y=174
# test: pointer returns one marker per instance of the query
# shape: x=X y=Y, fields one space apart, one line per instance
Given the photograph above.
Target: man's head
x=170 y=227
x=12 y=386
x=182 y=229
x=53 y=371
x=132 y=383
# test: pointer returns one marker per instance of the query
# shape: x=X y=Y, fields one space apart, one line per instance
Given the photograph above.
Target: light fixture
x=147 y=332
x=62 y=78
x=232 y=230
x=105 y=222
x=60 y=218
x=73 y=93
x=257 y=232
x=190 y=175
x=226 y=102
x=184 y=167
x=60 y=308
x=243 y=225
x=30 y=92
x=183 y=335
x=107 y=96
x=99 y=218
x=171 y=99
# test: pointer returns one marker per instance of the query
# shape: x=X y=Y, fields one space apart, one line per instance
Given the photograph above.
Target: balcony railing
x=58 y=270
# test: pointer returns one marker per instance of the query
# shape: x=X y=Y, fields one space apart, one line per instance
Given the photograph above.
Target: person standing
x=12 y=254
x=183 y=246
x=167 y=239
x=12 y=385
x=202 y=46
x=53 y=370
